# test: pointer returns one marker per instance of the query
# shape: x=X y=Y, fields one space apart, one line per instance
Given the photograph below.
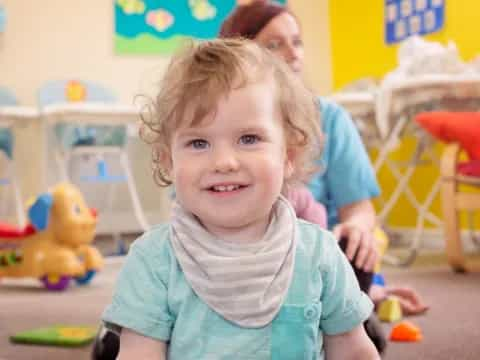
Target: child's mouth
x=226 y=188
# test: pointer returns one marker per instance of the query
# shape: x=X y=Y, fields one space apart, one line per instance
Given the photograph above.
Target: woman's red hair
x=248 y=20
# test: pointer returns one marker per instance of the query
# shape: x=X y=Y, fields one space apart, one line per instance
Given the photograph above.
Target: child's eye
x=198 y=144
x=249 y=139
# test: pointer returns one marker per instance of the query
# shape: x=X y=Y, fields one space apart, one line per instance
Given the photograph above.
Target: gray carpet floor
x=451 y=328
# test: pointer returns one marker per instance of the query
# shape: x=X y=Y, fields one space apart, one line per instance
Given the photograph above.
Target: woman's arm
x=349 y=183
x=353 y=344
x=357 y=222
x=136 y=346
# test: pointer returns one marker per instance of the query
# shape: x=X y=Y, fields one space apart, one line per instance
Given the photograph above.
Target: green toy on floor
x=57 y=335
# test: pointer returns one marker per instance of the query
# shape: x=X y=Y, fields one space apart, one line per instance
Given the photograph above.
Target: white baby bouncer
x=86 y=123
x=11 y=115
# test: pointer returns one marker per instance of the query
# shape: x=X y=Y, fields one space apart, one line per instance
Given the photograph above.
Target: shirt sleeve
x=140 y=298
x=349 y=174
x=344 y=305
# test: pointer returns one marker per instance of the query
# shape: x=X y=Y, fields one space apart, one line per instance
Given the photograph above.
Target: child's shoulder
x=315 y=240
x=154 y=243
x=314 y=233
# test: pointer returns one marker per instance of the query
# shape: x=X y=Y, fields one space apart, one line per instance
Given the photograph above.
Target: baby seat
x=83 y=117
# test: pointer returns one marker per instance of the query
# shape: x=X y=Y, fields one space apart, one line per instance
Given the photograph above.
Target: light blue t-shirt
x=346 y=174
x=153 y=298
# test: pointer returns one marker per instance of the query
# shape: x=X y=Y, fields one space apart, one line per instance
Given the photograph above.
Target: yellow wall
x=357 y=37
x=359 y=50
x=358 y=45
x=463 y=26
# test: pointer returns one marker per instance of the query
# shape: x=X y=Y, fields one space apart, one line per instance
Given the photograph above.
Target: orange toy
x=405 y=331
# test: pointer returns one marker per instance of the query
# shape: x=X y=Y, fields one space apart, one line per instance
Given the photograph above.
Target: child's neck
x=245 y=234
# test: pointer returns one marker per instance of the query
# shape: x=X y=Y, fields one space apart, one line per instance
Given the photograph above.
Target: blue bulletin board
x=160 y=26
x=404 y=18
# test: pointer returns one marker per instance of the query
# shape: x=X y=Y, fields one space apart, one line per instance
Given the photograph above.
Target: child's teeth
x=226 y=187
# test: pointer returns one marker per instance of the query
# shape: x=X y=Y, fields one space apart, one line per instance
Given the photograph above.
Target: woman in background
x=346 y=182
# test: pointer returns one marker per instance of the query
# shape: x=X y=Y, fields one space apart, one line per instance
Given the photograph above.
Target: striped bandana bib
x=244 y=283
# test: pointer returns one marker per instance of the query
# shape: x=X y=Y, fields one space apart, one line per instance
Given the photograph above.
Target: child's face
x=229 y=170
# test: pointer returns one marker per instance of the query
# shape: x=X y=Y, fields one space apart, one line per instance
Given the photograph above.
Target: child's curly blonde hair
x=201 y=74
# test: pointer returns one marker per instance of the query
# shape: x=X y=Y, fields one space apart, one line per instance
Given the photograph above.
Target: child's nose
x=225 y=160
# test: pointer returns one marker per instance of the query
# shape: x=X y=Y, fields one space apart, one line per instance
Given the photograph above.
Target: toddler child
x=235 y=274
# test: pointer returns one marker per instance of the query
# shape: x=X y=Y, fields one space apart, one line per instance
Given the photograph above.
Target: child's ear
x=164 y=158
x=167 y=163
x=289 y=163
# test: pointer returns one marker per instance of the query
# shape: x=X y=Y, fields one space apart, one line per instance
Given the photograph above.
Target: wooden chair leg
x=453 y=241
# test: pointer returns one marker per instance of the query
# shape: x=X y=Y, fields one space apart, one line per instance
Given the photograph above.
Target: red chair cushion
x=461 y=127
x=469 y=168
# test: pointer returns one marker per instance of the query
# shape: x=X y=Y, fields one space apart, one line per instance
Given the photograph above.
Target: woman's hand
x=357 y=222
x=360 y=244
x=410 y=301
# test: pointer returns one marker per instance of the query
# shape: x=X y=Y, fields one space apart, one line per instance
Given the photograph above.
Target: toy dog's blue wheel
x=85 y=279
x=55 y=282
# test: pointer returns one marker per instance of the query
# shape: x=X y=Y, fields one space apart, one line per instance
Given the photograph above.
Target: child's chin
x=227 y=221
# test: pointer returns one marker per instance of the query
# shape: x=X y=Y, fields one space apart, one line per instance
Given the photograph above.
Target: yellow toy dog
x=56 y=246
